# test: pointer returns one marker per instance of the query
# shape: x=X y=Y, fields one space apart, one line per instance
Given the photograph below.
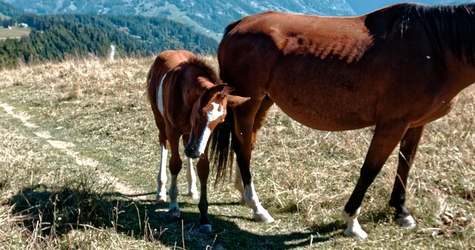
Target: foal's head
x=208 y=112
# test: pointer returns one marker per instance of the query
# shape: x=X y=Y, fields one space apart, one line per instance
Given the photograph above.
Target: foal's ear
x=220 y=88
x=234 y=100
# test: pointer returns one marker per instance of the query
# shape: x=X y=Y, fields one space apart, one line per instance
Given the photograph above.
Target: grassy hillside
x=79 y=155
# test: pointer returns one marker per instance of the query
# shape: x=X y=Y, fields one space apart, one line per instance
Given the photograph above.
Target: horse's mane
x=450 y=27
x=206 y=70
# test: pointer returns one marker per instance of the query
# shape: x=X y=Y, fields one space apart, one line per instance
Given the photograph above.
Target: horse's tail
x=221 y=154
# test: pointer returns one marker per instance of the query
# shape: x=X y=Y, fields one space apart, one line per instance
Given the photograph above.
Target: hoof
x=406 y=222
x=355 y=232
x=174 y=214
x=161 y=199
x=193 y=194
x=263 y=217
x=206 y=229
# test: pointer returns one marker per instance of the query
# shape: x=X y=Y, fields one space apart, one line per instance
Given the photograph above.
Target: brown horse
x=397 y=68
x=189 y=99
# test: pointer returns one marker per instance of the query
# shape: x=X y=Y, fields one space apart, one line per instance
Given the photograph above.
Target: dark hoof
x=174 y=214
x=206 y=229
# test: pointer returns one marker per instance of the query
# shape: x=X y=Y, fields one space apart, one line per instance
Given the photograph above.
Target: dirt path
x=68 y=148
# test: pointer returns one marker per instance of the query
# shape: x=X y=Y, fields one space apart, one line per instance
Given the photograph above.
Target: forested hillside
x=58 y=36
x=8 y=10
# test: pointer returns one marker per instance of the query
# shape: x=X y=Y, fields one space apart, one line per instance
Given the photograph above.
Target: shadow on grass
x=57 y=211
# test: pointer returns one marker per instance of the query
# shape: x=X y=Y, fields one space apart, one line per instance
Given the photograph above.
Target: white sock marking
x=162 y=174
x=353 y=228
x=260 y=213
x=191 y=178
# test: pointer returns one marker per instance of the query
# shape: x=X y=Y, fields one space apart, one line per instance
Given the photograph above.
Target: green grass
x=14 y=32
x=78 y=142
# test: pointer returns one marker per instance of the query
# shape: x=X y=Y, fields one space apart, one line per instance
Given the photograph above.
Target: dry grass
x=78 y=142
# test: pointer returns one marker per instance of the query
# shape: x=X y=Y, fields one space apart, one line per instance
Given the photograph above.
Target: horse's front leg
x=407 y=153
x=175 y=167
x=385 y=139
x=162 y=175
x=244 y=137
x=203 y=173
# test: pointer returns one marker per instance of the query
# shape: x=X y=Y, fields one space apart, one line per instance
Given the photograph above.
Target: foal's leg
x=190 y=173
x=175 y=167
x=191 y=178
x=384 y=141
x=162 y=174
x=250 y=117
x=203 y=173
x=407 y=154
x=162 y=171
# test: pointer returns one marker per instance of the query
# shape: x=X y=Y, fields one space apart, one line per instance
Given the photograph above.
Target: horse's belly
x=331 y=113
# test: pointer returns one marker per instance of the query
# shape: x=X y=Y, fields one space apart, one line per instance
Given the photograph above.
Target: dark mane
x=205 y=69
x=230 y=27
x=450 y=28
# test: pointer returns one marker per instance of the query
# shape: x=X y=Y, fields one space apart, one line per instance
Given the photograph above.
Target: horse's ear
x=217 y=88
x=227 y=90
x=234 y=100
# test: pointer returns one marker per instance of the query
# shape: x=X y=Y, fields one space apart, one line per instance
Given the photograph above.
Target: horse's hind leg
x=162 y=171
x=385 y=139
x=407 y=154
x=175 y=167
x=239 y=185
x=191 y=178
x=250 y=117
x=190 y=173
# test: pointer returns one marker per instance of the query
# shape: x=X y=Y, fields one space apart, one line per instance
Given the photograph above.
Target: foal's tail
x=150 y=92
x=221 y=154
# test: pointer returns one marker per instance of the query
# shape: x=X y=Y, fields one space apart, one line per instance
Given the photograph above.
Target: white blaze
x=160 y=96
x=213 y=115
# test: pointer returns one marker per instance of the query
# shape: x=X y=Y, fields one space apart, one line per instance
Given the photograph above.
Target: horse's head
x=208 y=112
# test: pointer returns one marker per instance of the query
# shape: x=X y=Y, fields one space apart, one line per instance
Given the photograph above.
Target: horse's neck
x=193 y=90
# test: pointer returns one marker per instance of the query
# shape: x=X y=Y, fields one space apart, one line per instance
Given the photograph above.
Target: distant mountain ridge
x=208 y=17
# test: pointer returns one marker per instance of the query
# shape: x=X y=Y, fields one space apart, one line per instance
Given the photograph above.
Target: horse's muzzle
x=192 y=151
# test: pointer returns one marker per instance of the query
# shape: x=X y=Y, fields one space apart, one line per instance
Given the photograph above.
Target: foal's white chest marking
x=160 y=96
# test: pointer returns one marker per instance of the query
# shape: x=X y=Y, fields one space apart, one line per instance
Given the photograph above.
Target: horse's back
x=169 y=59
